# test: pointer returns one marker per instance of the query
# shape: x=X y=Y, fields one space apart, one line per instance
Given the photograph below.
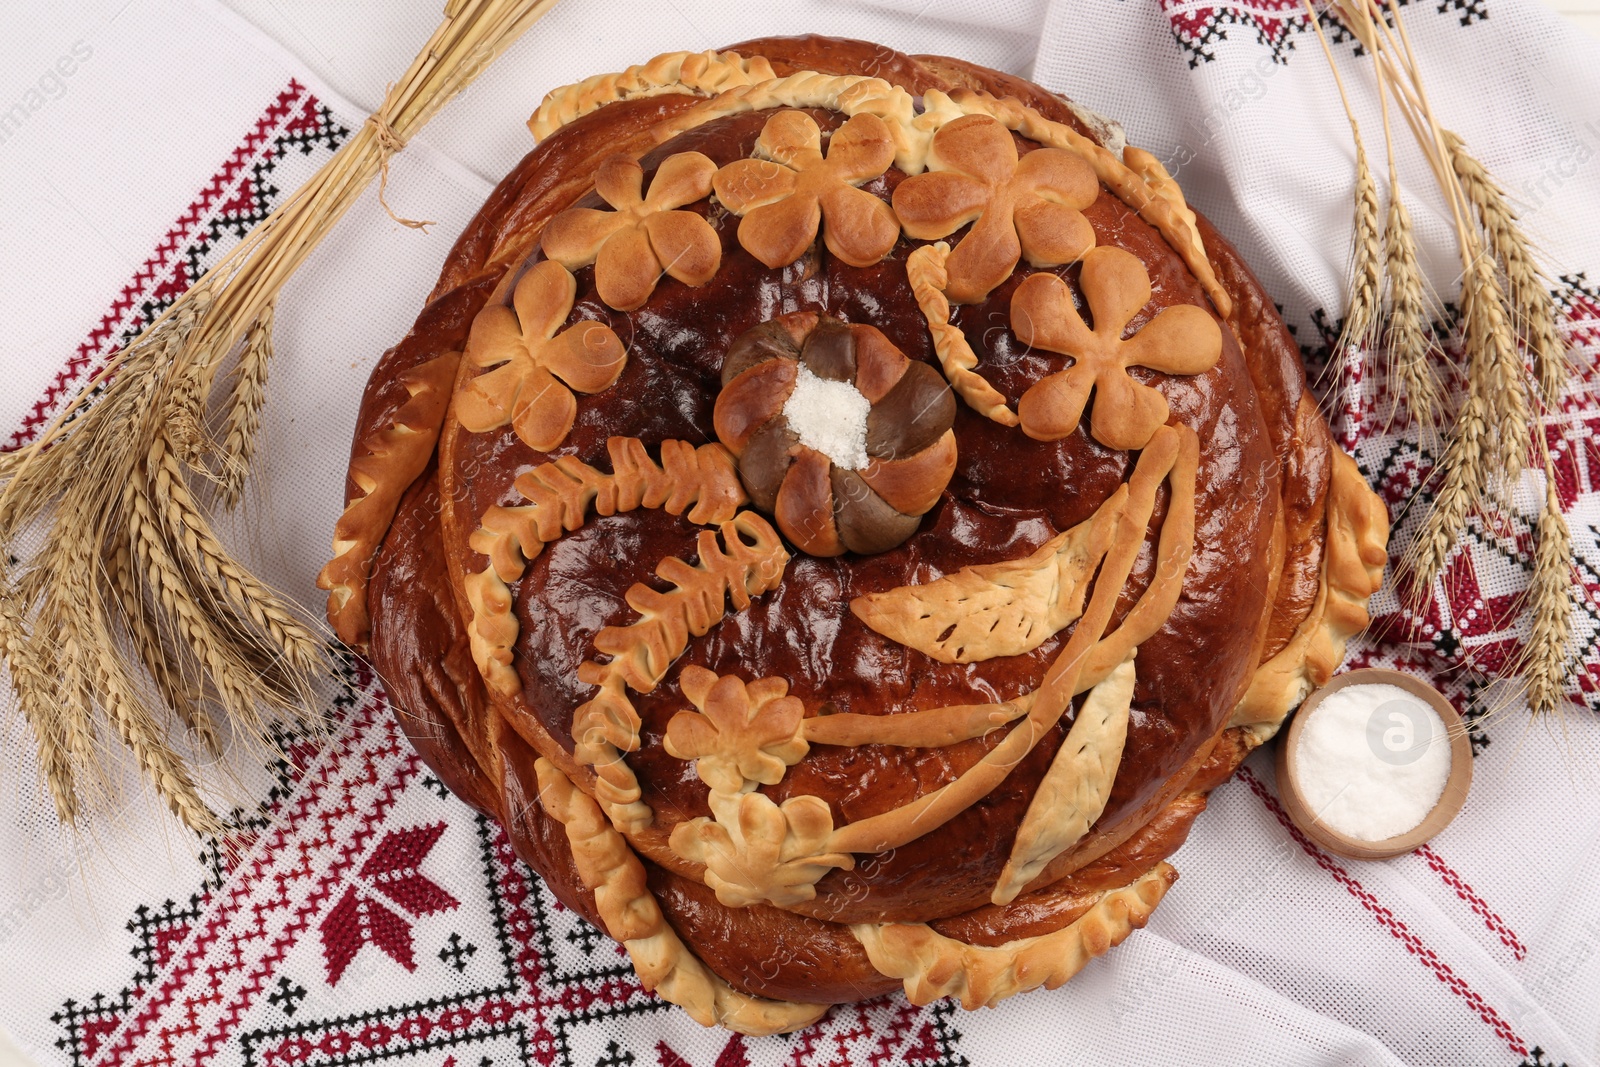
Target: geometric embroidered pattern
x=1274 y=23
x=241 y=194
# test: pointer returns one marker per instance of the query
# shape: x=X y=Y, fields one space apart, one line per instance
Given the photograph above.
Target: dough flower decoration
x=792 y=188
x=758 y=852
x=1179 y=340
x=839 y=436
x=537 y=364
x=1030 y=208
x=645 y=235
x=741 y=733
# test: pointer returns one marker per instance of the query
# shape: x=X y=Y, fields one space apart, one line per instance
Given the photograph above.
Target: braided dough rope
x=698 y=73
x=748 y=561
x=1353 y=559
x=934 y=966
x=395 y=456
x=925 y=270
x=631 y=915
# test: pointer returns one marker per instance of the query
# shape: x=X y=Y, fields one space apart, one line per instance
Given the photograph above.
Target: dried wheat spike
x=1463 y=466
x=242 y=422
x=235 y=684
x=1550 y=593
x=41 y=707
x=138 y=729
x=1409 y=339
x=162 y=661
x=191 y=530
x=1367 y=277
x=186 y=416
x=1532 y=307
x=1492 y=352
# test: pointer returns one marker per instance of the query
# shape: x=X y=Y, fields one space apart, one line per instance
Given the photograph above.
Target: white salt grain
x=830 y=417
x=1372 y=761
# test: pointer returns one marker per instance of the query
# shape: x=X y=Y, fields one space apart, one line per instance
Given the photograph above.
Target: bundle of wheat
x=134 y=614
x=1513 y=363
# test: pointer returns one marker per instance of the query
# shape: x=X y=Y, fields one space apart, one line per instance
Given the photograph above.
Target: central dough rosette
x=839 y=436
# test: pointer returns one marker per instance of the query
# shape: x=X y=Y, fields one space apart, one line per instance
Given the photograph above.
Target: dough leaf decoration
x=997 y=609
x=748 y=560
x=1077 y=785
x=560 y=495
x=756 y=851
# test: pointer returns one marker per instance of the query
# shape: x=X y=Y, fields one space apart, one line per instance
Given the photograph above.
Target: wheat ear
x=190 y=528
x=1409 y=338
x=40 y=700
x=162 y=659
x=1544 y=660
x=1529 y=289
x=243 y=418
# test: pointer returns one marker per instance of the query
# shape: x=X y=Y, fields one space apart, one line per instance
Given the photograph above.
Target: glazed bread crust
x=1255 y=579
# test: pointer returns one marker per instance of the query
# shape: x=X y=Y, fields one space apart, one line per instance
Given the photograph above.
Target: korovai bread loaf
x=842 y=512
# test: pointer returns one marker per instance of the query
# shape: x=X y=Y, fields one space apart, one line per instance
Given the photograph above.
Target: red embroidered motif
x=359 y=919
x=733 y=1054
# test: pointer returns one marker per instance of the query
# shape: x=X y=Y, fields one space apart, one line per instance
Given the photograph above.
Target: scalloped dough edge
x=665 y=965
x=932 y=965
x=1357 y=548
x=743 y=88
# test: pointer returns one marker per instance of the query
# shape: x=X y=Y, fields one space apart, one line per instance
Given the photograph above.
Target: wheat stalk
x=243 y=419
x=1506 y=309
x=1409 y=344
x=1529 y=288
x=134 y=604
x=1366 y=270
x=1409 y=339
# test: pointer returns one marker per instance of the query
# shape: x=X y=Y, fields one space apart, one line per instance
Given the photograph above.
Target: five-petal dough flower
x=793 y=188
x=741 y=732
x=646 y=236
x=534 y=364
x=1182 y=339
x=1030 y=208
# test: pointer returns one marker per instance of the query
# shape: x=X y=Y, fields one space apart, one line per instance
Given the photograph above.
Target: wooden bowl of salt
x=1374 y=764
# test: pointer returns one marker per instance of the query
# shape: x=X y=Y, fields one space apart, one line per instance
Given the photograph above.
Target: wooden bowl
x=1450 y=800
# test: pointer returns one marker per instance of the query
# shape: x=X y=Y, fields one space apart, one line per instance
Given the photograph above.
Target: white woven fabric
x=369 y=916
